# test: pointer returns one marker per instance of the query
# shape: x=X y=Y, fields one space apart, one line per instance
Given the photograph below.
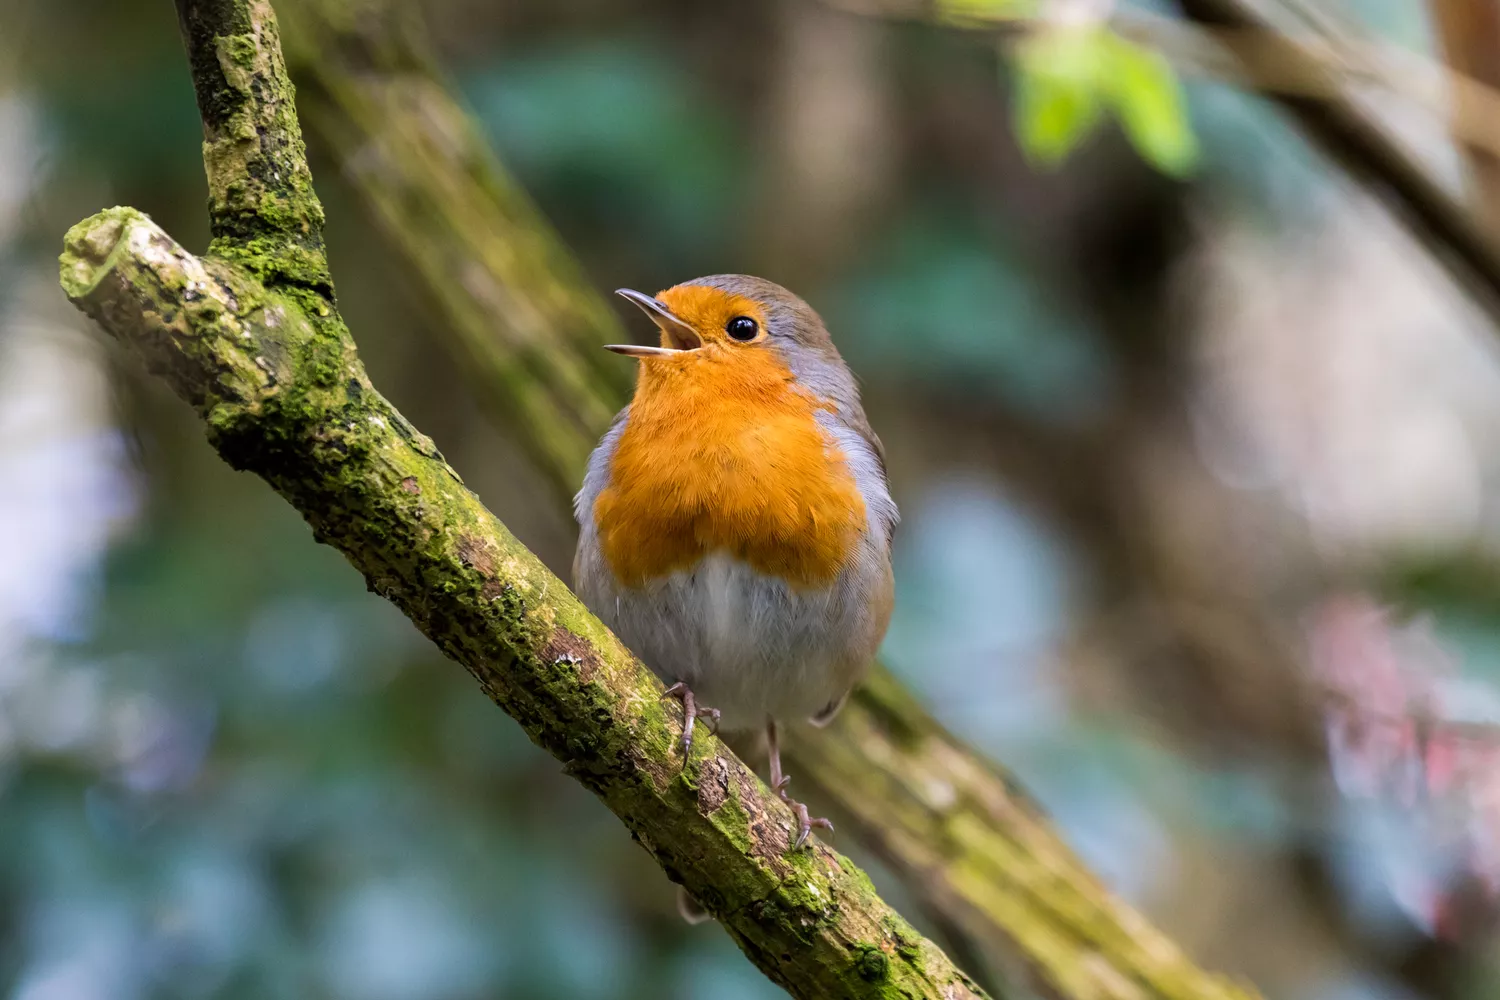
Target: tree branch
x=263 y=212
x=992 y=864
x=514 y=306
x=1358 y=143
x=1470 y=35
x=1309 y=82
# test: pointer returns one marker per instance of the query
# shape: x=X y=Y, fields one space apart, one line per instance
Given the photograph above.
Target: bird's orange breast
x=722 y=451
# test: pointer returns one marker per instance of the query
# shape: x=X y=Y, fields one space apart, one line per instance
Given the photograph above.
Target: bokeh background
x=1199 y=458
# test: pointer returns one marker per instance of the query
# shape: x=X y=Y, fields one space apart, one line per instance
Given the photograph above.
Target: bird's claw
x=779 y=781
x=805 y=823
x=691 y=712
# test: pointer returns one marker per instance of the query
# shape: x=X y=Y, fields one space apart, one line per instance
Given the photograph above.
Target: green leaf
x=1058 y=92
x=1148 y=100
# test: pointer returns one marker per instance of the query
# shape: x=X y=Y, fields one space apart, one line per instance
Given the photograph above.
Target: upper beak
x=675 y=332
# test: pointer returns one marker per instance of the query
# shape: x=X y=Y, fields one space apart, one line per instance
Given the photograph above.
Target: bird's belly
x=747 y=643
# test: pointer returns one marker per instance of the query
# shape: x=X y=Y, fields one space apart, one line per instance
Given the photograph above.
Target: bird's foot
x=805 y=822
x=691 y=712
x=779 y=781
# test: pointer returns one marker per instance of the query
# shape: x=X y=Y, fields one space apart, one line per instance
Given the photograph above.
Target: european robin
x=735 y=519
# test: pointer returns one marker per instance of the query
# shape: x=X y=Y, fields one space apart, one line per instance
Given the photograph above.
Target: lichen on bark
x=262 y=209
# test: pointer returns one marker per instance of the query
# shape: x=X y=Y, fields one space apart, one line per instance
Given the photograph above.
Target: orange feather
x=722 y=450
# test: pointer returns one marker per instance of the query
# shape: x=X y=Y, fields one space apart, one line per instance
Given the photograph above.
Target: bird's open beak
x=678 y=335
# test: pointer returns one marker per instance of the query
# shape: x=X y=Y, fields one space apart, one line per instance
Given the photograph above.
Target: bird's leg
x=691 y=712
x=779 y=780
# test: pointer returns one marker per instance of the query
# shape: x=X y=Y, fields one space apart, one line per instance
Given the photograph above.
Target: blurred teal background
x=1141 y=428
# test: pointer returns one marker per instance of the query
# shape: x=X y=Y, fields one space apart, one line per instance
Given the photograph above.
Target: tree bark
x=251 y=337
x=515 y=307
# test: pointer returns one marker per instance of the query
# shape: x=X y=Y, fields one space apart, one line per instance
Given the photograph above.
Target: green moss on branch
x=513 y=304
x=261 y=204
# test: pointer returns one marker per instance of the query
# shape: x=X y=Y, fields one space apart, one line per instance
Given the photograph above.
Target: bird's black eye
x=742 y=328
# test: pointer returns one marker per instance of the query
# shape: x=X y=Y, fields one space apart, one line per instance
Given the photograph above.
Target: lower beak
x=642 y=351
x=675 y=332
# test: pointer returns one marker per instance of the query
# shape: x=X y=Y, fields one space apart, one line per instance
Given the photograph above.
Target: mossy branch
x=991 y=865
x=514 y=307
x=262 y=209
x=974 y=850
x=250 y=337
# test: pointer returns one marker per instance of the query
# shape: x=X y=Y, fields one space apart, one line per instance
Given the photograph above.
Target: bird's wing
x=596 y=476
x=867 y=462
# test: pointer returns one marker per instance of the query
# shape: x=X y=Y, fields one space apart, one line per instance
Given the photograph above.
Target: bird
x=735 y=521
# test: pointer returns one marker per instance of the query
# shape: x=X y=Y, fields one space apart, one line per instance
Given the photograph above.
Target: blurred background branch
x=1353 y=138
x=514 y=307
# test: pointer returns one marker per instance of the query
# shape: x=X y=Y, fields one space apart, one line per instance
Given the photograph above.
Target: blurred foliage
x=1072 y=72
x=609 y=132
x=1068 y=79
x=940 y=282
